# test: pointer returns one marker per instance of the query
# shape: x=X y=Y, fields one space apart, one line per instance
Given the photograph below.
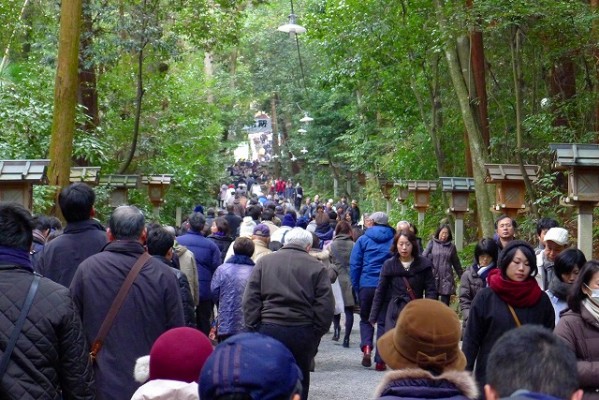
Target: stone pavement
x=339 y=374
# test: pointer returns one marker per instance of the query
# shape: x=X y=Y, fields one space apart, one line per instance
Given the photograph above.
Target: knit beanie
x=179 y=355
x=288 y=220
x=246 y=229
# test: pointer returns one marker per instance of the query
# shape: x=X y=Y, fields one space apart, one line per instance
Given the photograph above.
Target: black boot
x=336 y=326
x=336 y=334
x=346 y=342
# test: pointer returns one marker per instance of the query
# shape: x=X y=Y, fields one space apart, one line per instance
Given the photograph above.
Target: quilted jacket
x=208 y=258
x=51 y=354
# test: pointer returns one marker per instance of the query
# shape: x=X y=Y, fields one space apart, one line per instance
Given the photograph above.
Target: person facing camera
x=424 y=352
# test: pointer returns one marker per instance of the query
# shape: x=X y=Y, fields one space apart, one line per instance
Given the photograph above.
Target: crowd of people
x=234 y=303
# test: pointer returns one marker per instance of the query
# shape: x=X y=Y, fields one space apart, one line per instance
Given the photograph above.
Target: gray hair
x=127 y=223
x=299 y=236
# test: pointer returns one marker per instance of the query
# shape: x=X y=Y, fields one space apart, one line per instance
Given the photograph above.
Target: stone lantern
x=460 y=189
x=582 y=163
x=402 y=194
x=509 y=186
x=89 y=175
x=386 y=185
x=120 y=185
x=422 y=194
x=17 y=178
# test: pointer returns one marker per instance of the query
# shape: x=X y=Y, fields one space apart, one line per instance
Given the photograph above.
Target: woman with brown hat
x=404 y=277
x=424 y=350
x=512 y=298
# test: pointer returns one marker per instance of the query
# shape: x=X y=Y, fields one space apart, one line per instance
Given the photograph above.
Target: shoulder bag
x=14 y=335
x=116 y=306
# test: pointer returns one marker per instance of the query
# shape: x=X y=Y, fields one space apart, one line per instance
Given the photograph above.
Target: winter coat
x=289 y=288
x=325 y=258
x=223 y=243
x=61 y=257
x=580 y=332
x=558 y=294
x=445 y=258
x=368 y=255
x=340 y=249
x=546 y=271
x=166 y=389
x=260 y=249
x=152 y=306
x=392 y=287
x=470 y=284
x=51 y=352
x=234 y=222
x=186 y=298
x=490 y=318
x=208 y=258
x=416 y=383
x=228 y=284
x=187 y=265
x=39 y=241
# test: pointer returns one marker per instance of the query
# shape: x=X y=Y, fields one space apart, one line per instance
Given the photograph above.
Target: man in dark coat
x=83 y=236
x=288 y=296
x=51 y=353
x=208 y=257
x=152 y=306
x=233 y=220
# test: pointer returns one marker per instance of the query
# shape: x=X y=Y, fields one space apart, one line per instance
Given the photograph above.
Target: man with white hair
x=289 y=297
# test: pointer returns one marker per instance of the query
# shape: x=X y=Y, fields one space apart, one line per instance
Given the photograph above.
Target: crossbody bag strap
x=14 y=335
x=409 y=288
x=516 y=320
x=116 y=305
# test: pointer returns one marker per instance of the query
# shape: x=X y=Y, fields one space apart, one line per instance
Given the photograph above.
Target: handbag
x=116 y=305
x=14 y=335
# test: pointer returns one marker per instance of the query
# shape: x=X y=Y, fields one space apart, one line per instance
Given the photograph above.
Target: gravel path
x=339 y=374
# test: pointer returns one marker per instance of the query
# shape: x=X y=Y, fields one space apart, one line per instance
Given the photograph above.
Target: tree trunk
x=88 y=94
x=209 y=72
x=275 y=135
x=515 y=46
x=477 y=146
x=595 y=34
x=4 y=61
x=65 y=96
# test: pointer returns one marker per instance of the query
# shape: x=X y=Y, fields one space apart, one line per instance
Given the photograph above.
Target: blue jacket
x=228 y=285
x=369 y=254
x=207 y=256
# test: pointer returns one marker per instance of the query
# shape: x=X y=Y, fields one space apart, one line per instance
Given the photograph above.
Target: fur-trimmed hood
x=410 y=379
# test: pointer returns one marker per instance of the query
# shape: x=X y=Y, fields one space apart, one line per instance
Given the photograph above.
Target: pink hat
x=179 y=355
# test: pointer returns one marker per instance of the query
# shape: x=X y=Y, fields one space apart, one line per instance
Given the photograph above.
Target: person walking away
x=228 y=285
x=151 y=307
x=444 y=256
x=289 y=297
x=566 y=269
x=367 y=257
x=579 y=328
x=405 y=276
x=50 y=359
x=512 y=299
x=423 y=349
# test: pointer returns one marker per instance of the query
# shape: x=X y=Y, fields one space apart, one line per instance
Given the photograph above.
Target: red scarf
x=516 y=294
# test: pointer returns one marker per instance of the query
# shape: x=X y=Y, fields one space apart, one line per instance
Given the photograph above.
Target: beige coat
x=187 y=262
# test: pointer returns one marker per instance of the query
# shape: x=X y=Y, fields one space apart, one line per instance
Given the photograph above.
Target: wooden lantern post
x=460 y=189
x=17 y=178
x=386 y=186
x=509 y=186
x=402 y=195
x=422 y=194
x=89 y=175
x=157 y=185
x=120 y=185
x=582 y=162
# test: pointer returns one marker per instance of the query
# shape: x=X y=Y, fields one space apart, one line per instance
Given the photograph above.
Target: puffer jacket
x=416 y=383
x=470 y=283
x=368 y=255
x=580 y=332
x=228 y=285
x=445 y=259
x=52 y=353
x=208 y=258
x=164 y=389
x=223 y=243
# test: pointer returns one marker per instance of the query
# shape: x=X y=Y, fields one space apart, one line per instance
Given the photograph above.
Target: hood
x=462 y=380
x=162 y=389
x=441 y=243
x=180 y=250
x=380 y=233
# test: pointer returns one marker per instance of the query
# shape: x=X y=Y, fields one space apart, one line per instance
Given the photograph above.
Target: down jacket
x=580 y=332
x=340 y=249
x=445 y=259
x=470 y=284
x=52 y=352
x=392 y=287
x=228 y=285
x=368 y=255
